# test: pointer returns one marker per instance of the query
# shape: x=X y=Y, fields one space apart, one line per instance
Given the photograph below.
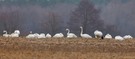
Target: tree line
x=85 y=14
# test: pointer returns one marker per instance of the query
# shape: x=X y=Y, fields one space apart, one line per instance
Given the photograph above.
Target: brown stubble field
x=22 y=48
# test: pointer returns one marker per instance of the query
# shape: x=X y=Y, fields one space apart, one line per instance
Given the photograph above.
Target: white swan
x=58 y=35
x=30 y=35
x=108 y=36
x=5 y=34
x=84 y=35
x=119 y=38
x=48 y=35
x=62 y=34
x=41 y=36
x=17 y=31
x=98 y=34
x=36 y=35
x=70 y=35
x=15 y=34
x=128 y=37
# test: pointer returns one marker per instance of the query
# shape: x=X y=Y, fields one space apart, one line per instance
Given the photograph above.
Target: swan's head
x=4 y=31
x=17 y=31
x=81 y=27
x=67 y=29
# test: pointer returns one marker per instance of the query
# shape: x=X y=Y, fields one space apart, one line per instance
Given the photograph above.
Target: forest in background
x=53 y=16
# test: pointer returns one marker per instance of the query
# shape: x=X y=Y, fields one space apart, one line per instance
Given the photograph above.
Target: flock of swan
x=97 y=33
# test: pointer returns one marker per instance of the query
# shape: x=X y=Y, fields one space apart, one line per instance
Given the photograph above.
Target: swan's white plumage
x=70 y=35
x=119 y=38
x=48 y=35
x=36 y=35
x=5 y=34
x=17 y=31
x=84 y=35
x=30 y=35
x=98 y=34
x=42 y=35
x=58 y=35
x=128 y=37
x=108 y=36
x=15 y=34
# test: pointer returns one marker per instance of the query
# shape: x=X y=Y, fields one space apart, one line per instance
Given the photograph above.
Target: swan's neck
x=5 y=32
x=68 y=31
x=81 y=31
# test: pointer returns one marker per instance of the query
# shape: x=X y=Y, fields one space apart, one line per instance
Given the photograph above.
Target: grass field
x=21 y=48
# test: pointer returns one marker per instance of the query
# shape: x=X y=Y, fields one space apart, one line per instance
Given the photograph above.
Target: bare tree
x=10 y=20
x=112 y=29
x=53 y=24
x=85 y=15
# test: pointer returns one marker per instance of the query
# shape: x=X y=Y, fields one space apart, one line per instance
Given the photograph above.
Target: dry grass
x=21 y=48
